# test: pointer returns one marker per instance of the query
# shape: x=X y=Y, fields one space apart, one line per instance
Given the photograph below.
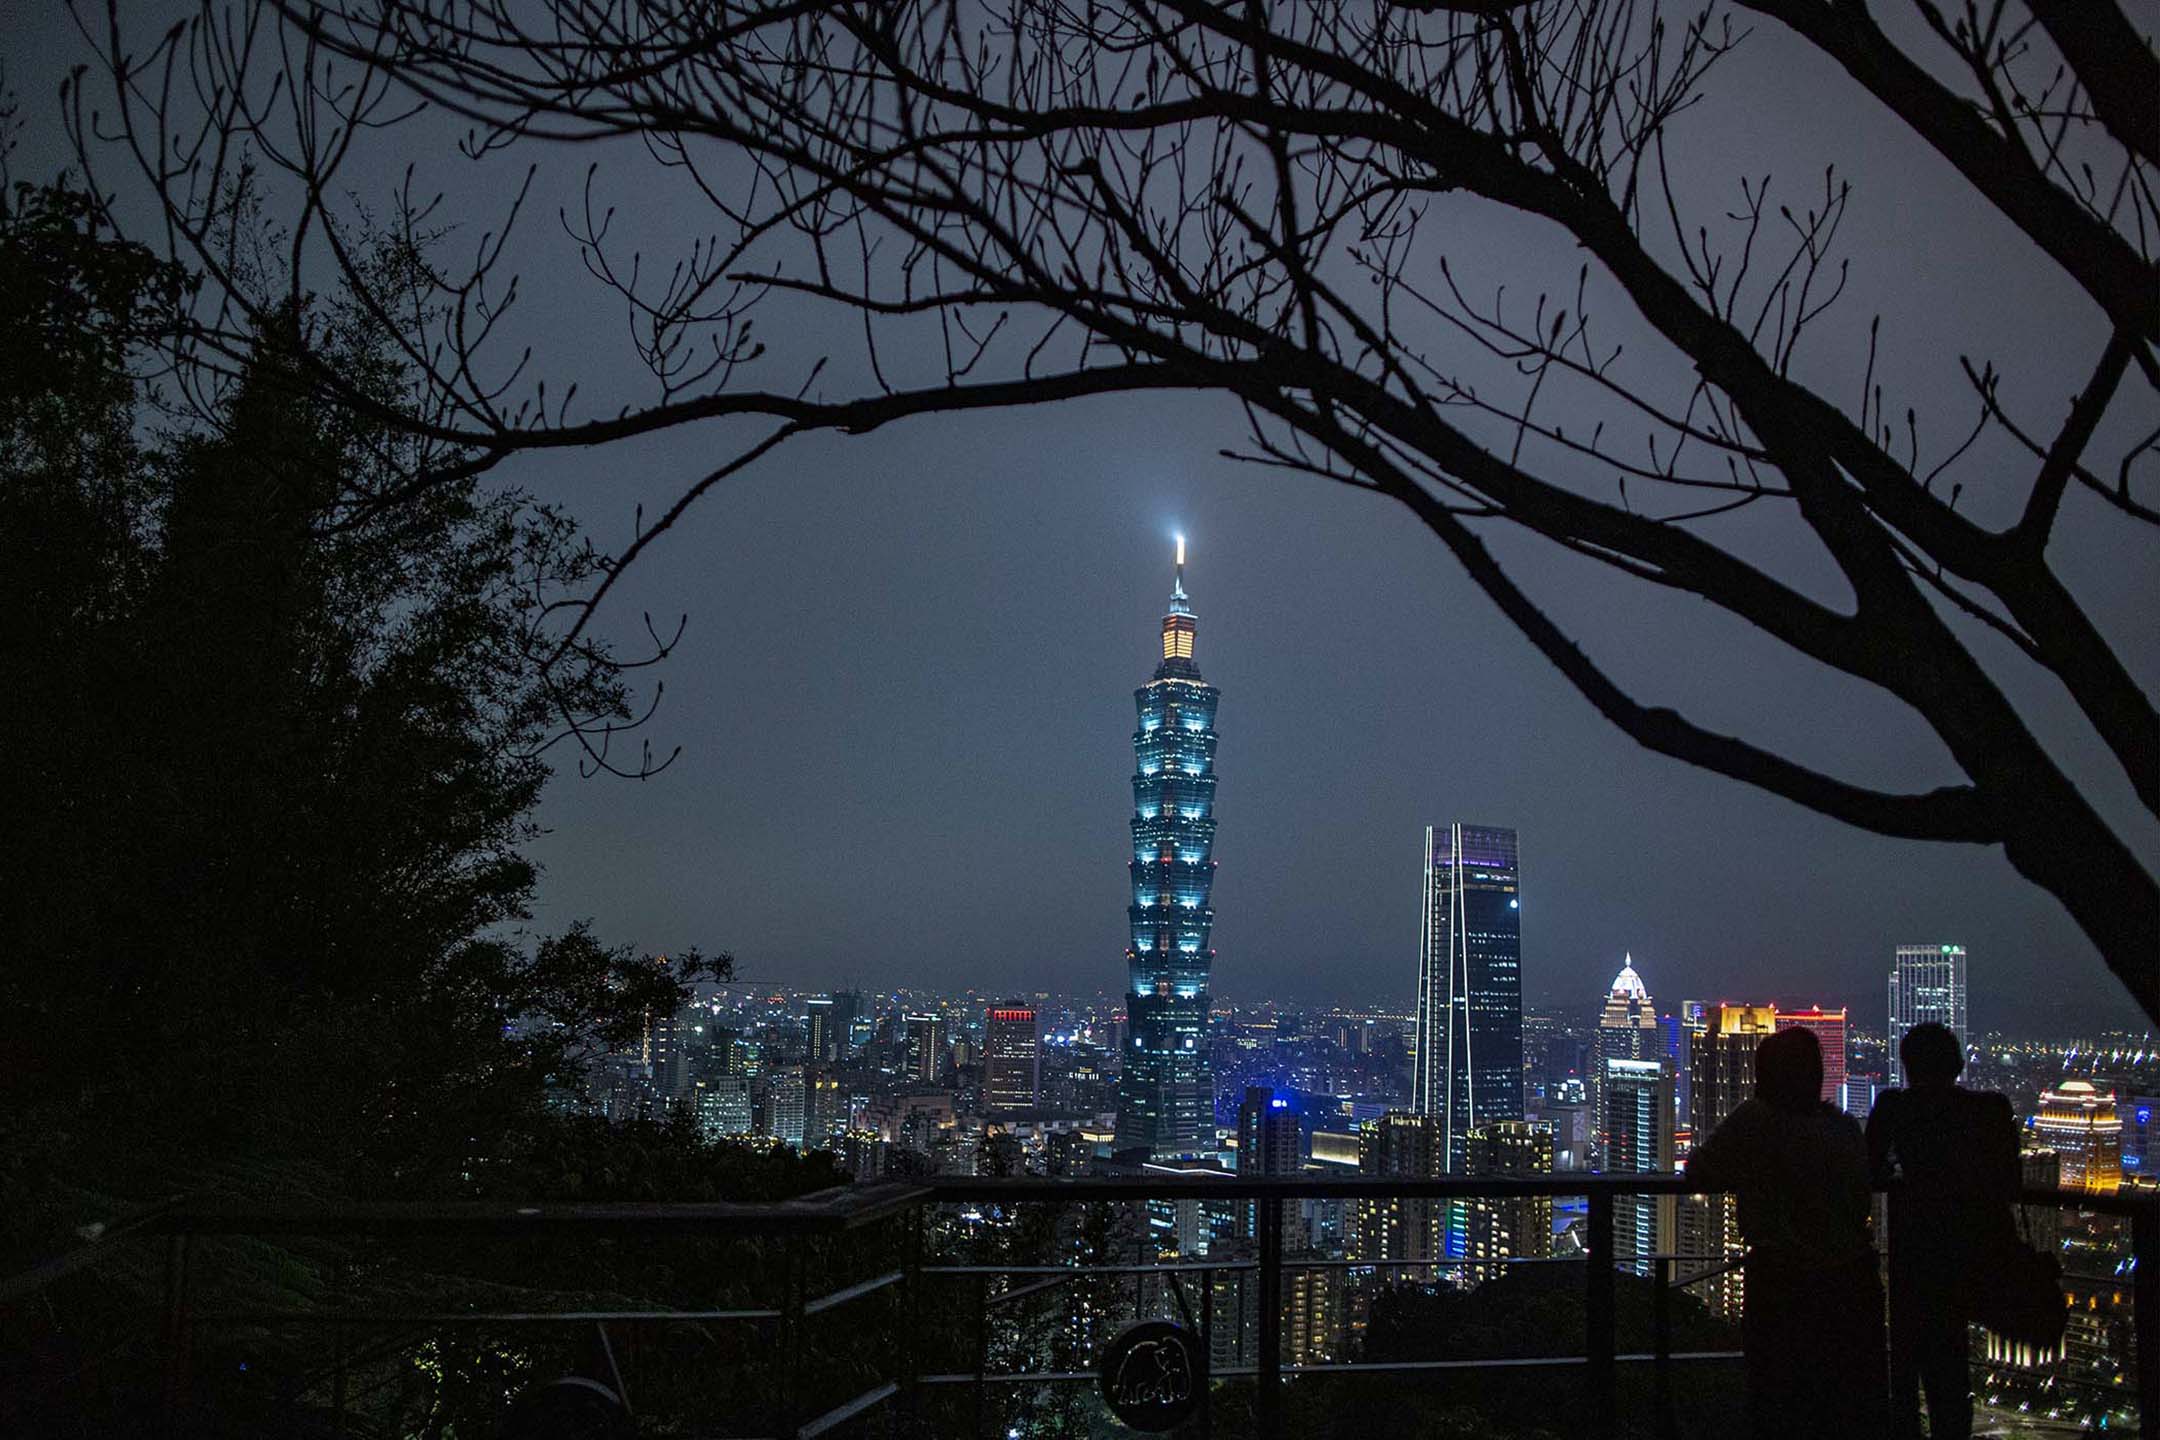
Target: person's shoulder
x=1990 y=1103
x=1750 y=1114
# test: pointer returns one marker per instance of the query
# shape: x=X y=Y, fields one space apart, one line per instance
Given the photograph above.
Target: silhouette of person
x=1812 y=1325
x=1956 y=1152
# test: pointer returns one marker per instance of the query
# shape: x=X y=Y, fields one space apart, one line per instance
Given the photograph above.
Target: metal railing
x=904 y=1270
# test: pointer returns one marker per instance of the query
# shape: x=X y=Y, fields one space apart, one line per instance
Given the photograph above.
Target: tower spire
x=1178 y=625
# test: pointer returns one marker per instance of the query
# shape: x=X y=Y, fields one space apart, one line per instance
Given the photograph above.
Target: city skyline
x=1573 y=946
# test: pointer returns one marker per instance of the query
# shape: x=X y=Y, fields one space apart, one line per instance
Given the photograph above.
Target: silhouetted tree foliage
x=274 y=752
x=1035 y=200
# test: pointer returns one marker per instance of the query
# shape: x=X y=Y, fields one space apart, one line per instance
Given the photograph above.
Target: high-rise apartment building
x=825 y=1107
x=1166 y=1091
x=1640 y=1120
x=2080 y=1124
x=1312 y=1316
x=787 y=1104
x=722 y=1106
x=1724 y=1060
x=671 y=1044
x=820 y=1037
x=1469 y=1066
x=1270 y=1143
x=1829 y=1030
x=926 y=1048
x=854 y=1025
x=1399 y=1229
x=1626 y=1030
x=2140 y=1155
x=1012 y=1060
x=1678 y=1038
x=1516 y=1227
x=1927 y=984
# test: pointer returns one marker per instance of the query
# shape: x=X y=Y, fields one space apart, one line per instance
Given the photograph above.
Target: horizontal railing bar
x=1077 y=1189
x=1013 y=1296
x=1246 y=1372
x=853 y=1292
x=1039 y=1377
x=948 y=1189
x=1293 y=1262
x=1175 y=1267
x=1519 y=1362
x=842 y=1207
x=1731 y=1263
x=841 y=1414
x=846 y=1207
x=460 y=1317
x=98 y=1244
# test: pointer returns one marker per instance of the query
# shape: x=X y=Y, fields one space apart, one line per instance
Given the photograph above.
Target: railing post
x=912 y=1315
x=982 y=1345
x=2145 y=1296
x=792 y=1321
x=176 y=1363
x=1207 y=1350
x=1599 y=1395
x=337 y=1346
x=1661 y=1323
x=1267 y=1398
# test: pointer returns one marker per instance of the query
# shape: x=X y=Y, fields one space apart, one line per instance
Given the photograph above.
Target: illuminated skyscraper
x=1012 y=1059
x=1628 y=1030
x=1469 y=1023
x=787 y=1103
x=821 y=1039
x=1166 y=1092
x=2080 y=1124
x=1829 y=1028
x=1639 y=1121
x=1399 y=1146
x=1927 y=983
x=925 y=1048
x=1724 y=1059
x=1516 y=1227
x=1270 y=1143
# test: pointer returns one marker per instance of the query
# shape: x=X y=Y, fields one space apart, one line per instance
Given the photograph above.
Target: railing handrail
x=1019 y=1188
x=847 y=1207
x=842 y=1209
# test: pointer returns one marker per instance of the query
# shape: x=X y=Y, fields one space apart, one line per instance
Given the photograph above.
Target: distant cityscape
x=1454 y=1075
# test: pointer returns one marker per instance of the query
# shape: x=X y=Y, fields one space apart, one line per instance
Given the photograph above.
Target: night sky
x=904 y=696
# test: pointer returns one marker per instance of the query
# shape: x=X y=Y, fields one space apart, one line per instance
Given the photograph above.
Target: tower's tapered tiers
x=1166 y=1094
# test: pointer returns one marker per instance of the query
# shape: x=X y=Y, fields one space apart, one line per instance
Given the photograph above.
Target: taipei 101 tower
x=1166 y=1091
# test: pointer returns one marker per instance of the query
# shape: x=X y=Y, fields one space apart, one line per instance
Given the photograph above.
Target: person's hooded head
x=1931 y=1054
x=1788 y=1071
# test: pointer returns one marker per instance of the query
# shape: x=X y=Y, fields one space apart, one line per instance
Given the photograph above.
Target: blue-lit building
x=1166 y=1092
x=1469 y=1069
x=2140 y=1152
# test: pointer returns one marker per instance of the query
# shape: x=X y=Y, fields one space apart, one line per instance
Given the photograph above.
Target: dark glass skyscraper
x=1166 y=1092
x=1469 y=1022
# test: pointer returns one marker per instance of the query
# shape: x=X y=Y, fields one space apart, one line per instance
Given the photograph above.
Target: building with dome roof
x=2080 y=1124
x=1627 y=1030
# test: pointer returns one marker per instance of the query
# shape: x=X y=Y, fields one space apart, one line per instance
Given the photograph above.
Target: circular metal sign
x=1152 y=1374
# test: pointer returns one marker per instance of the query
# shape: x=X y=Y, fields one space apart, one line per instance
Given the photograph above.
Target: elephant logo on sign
x=1155 y=1372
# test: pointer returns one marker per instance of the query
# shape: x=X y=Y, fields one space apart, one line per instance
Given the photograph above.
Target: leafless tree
x=1058 y=198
